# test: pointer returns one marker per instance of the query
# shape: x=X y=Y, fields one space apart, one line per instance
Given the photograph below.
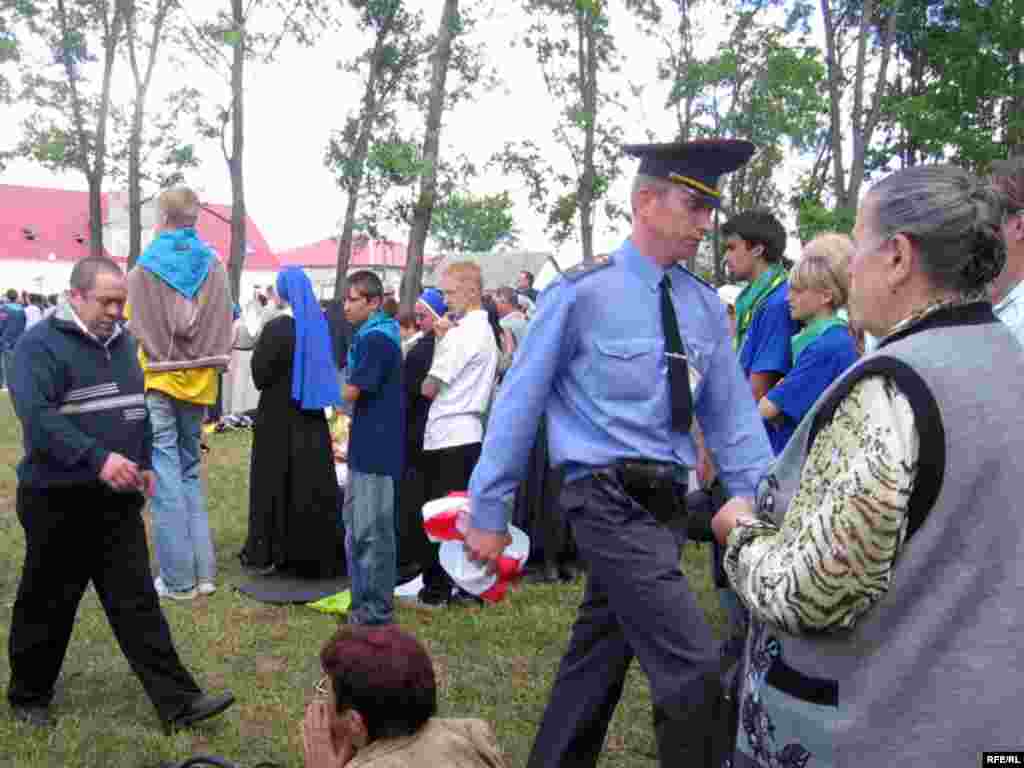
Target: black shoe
x=203 y=706
x=545 y=574
x=432 y=599
x=35 y=715
x=407 y=572
x=255 y=569
x=566 y=573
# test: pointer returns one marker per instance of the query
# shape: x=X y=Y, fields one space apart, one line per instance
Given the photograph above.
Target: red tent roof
x=36 y=222
x=214 y=226
x=373 y=253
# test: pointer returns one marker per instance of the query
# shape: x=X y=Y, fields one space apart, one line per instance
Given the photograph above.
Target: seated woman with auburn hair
x=381 y=697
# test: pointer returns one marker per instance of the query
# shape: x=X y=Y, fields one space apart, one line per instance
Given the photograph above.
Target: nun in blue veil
x=293 y=490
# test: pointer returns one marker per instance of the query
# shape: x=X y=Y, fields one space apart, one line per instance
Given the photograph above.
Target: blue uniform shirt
x=593 y=361
x=818 y=366
x=767 y=347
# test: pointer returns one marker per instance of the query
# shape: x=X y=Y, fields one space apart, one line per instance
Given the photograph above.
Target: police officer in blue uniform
x=619 y=358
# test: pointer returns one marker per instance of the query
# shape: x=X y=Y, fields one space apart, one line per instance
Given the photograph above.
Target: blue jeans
x=181 y=527
x=369 y=515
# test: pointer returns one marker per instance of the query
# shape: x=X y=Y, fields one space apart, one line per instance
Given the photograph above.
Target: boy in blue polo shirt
x=376 y=444
x=754 y=244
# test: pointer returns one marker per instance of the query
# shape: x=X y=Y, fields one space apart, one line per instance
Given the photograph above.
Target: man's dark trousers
x=446 y=470
x=637 y=603
x=74 y=535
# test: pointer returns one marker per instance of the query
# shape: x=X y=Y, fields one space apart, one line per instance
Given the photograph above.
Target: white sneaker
x=206 y=588
x=163 y=591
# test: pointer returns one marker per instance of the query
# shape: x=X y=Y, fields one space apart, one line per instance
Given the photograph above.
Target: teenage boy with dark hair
x=755 y=242
x=376 y=445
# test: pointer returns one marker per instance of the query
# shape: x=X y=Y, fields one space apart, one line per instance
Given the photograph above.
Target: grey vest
x=933 y=673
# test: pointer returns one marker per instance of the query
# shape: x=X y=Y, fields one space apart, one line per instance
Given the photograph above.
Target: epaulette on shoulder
x=698 y=278
x=582 y=270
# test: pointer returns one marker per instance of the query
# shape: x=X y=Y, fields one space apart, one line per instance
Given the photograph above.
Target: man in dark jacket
x=78 y=390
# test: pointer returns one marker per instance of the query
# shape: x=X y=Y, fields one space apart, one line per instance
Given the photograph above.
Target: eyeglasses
x=320 y=689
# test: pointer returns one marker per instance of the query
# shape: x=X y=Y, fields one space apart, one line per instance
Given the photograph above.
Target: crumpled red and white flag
x=445 y=521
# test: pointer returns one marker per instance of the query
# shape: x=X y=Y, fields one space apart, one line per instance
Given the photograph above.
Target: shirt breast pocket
x=625 y=369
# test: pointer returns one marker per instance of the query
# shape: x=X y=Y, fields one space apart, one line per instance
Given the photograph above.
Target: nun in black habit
x=293 y=490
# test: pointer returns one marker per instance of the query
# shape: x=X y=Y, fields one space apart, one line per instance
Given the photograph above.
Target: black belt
x=654 y=472
x=657 y=486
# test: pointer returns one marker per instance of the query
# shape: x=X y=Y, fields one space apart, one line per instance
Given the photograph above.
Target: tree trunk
x=238 y=218
x=95 y=215
x=587 y=58
x=345 y=248
x=355 y=182
x=135 y=186
x=93 y=171
x=835 y=95
x=716 y=251
x=1015 y=113
x=138 y=117
x=111 y=39
x=864 y=124
x=431 y=150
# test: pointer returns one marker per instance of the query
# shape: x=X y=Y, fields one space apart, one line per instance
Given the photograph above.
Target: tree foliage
x=763 y=83
x=232 y=33
x=388 y=69
x=574 y=46
x=466 y=223
x=145 y=24
x=958 y=93
x=68 y=88
x=451 y=26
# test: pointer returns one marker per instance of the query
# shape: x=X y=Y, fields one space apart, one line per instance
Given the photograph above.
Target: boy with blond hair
x=823 y=348
x=459 y=386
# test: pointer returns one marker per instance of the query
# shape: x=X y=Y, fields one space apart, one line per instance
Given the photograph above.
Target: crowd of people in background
x=774 y=365
x=18 y=313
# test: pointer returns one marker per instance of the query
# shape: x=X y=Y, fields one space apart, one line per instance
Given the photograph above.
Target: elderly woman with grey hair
x=883 y=560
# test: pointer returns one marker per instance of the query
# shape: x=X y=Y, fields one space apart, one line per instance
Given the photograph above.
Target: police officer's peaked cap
x=693 y=164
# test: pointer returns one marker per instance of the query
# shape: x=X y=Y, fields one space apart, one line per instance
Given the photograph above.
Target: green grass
x=496 y=663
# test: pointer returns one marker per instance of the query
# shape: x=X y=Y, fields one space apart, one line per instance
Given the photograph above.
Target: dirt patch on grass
x=268 y=669
x=267 y=614
x=256 y=721
x=215 y=681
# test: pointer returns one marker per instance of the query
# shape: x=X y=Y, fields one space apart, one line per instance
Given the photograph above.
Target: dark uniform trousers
x=445 y=470
x=74 y=535
x=637 y=603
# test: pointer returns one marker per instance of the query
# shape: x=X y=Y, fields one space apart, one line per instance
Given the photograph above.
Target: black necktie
x=678 y=373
